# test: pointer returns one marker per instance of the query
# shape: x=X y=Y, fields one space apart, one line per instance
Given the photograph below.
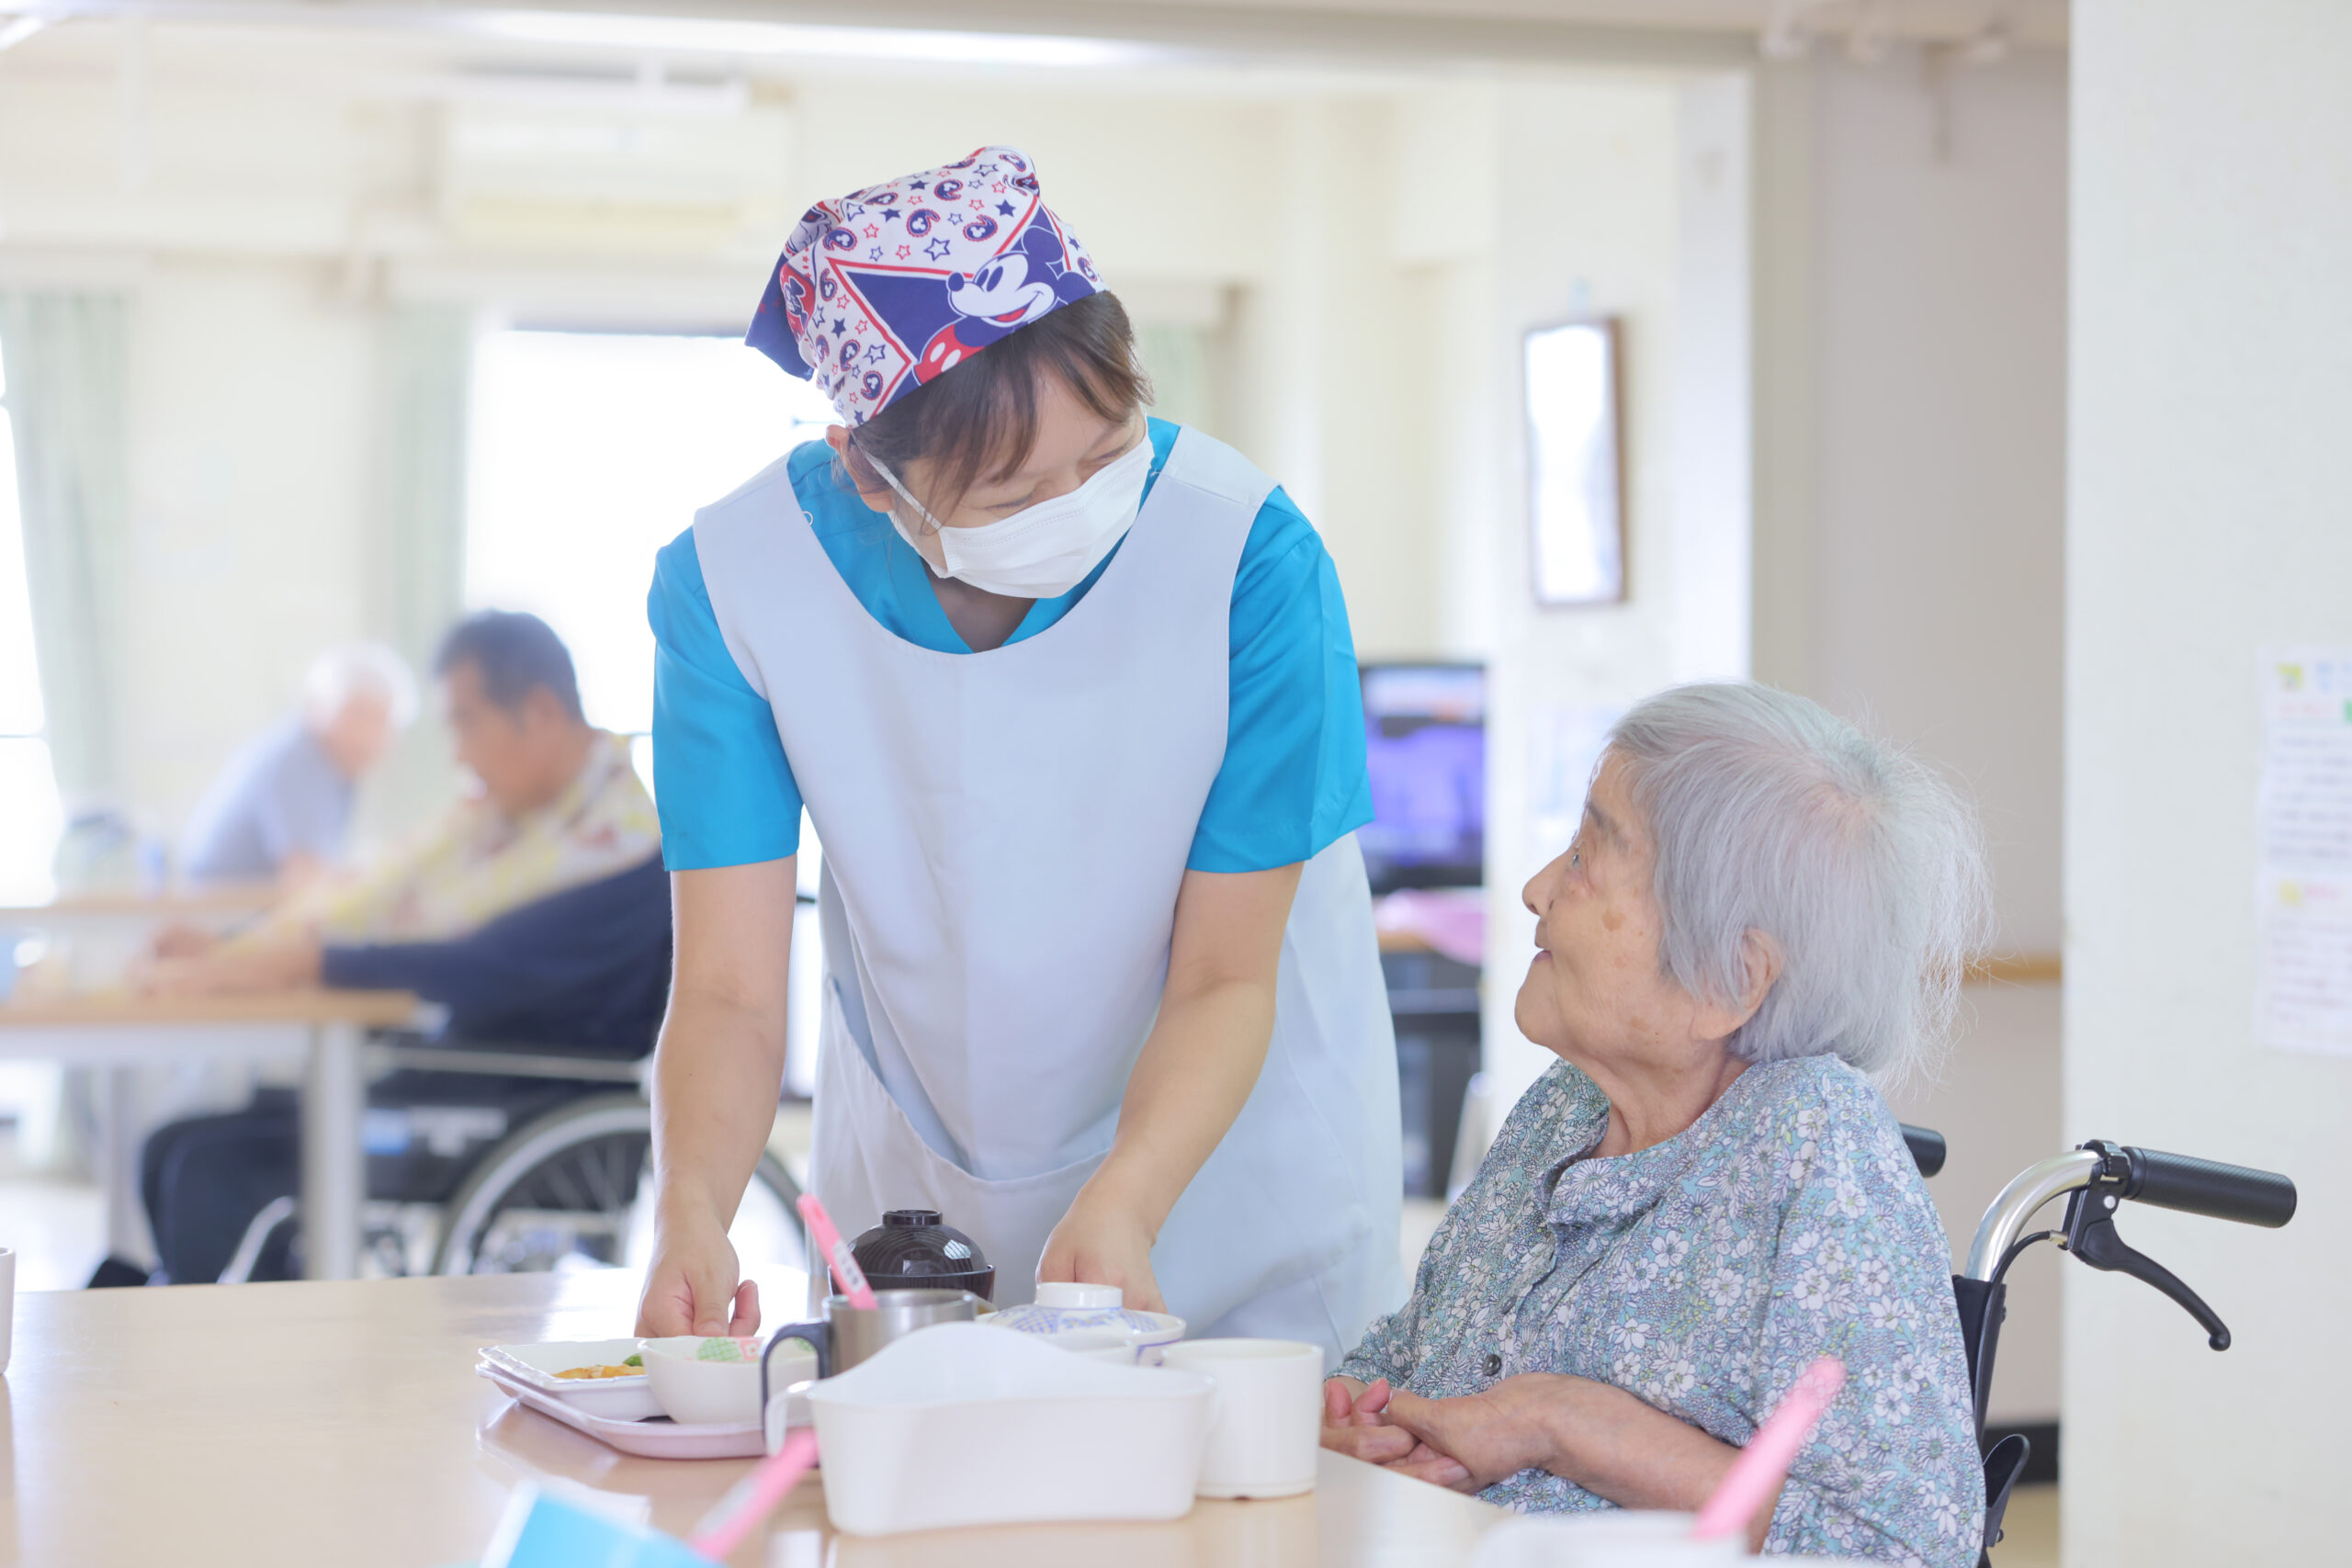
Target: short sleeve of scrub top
x=1293 y=780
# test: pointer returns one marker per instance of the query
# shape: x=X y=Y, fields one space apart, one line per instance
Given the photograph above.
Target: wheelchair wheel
x=559 y=1192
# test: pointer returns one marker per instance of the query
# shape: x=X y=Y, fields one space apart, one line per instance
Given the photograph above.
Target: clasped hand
x=1468 y=1443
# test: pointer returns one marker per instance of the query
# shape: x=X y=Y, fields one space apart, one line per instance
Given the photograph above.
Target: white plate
x=616 y=1399
x=656 y=1438
x=1141 y=1335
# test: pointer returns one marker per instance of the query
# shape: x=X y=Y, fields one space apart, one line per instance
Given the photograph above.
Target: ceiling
x=1665 y=32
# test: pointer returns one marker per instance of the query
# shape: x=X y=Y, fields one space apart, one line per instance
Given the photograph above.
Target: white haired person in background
x=280 y=809
x=1762 y=911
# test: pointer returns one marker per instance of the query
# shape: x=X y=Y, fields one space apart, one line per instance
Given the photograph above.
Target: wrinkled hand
x=1495 y=1433
x=1355 y=1423
x=1100 y=1242
x=691 y=1285
x=181 y=939
x=281 y=965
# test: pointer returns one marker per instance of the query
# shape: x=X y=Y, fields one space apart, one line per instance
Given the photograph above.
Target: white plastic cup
x=1608 y=1537
x=7 y=1301
x=1266 y=1425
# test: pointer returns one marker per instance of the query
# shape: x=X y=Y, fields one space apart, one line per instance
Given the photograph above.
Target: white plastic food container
x=966 y=1425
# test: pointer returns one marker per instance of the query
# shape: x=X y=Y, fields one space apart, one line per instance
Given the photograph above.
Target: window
x=30 y=820
x=1575 y=463
x=590 y=452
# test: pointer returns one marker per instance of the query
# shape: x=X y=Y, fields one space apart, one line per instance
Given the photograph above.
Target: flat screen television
x=1425 y=740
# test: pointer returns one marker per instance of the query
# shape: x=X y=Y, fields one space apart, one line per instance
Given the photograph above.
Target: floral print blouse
x=1704 y=1274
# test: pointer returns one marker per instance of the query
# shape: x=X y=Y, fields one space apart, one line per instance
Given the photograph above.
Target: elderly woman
x=1761 y=911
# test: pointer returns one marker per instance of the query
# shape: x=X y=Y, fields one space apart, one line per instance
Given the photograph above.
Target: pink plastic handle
x=846 y=1273
x=1764 y=1463
x=754 y=1498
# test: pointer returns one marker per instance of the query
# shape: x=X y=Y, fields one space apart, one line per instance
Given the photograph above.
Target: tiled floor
x=2030 y=1529
x=57 y=1228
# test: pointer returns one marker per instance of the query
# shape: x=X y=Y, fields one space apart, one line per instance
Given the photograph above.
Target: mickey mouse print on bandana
x=885 y=289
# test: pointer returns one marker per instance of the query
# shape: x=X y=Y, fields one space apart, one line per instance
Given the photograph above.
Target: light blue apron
x=1005 y=833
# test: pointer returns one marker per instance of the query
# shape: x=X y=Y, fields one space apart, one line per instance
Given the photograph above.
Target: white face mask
x=1040 y=551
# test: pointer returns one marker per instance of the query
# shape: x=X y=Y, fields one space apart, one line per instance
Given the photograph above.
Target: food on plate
x=628 y=1368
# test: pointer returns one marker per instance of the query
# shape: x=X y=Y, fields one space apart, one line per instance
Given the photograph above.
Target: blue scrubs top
x=1293 y=779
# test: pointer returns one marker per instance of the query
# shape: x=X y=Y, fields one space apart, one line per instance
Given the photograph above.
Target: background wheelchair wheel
x=563 y=1191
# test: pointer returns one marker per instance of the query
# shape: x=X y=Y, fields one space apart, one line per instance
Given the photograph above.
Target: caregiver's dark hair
x=979 y=420
x=512 y=651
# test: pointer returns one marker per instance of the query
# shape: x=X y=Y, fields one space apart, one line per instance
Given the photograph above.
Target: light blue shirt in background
x=279 y=797
x=1293 y=780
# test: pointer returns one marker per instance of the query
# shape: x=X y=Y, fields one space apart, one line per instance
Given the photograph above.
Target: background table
x=303 y=1424
x=319 y=1028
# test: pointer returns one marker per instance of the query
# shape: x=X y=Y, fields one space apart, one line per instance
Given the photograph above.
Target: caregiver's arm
x=1215 y=1018
x=716 y=1078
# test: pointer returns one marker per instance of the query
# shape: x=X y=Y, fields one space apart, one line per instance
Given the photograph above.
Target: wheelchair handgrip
x=1928 y=1147
x=2205 y=1187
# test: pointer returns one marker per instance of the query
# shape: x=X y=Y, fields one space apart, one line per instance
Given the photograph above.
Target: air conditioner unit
x=613 y=178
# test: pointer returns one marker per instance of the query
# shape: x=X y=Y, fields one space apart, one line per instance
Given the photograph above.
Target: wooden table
x=251 y=1425
x=319 y=1028
x=150 y=909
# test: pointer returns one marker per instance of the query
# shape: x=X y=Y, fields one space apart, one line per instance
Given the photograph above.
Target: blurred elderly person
x=536 y=912
x=1761 y=912
x=281 y=808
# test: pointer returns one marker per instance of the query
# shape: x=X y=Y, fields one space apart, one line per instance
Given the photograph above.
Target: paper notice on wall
x=2303 y=853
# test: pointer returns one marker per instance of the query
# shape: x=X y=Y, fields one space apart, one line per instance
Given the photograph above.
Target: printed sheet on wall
x=2303 y=853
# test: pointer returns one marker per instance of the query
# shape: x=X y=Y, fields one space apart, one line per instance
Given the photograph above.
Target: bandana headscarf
x=886 y=288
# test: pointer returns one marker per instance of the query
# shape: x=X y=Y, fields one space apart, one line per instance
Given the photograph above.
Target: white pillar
x=2208 y=472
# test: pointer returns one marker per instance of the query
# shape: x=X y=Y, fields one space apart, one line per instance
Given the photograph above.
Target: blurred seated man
x=280 y=809
x=536 y=913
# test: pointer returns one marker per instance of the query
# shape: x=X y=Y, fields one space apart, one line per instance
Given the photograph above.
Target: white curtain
x=428 y=359
x=65 y=364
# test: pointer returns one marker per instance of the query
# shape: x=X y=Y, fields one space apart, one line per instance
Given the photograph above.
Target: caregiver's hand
x=691 y=1288
x=1103 y=1241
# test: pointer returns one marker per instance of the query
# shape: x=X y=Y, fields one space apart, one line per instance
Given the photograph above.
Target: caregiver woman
x=1069 y=696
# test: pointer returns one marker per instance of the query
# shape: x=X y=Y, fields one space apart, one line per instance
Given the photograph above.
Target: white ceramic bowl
x=612 y=1399
x=701 y=1381
x=966 y=1425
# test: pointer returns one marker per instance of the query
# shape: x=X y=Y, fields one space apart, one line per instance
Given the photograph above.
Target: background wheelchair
x=542 y=1169
x=2095 y=1179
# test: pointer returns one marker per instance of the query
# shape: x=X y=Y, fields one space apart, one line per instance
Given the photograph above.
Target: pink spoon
x=1764 y=1463
x=846 y=1273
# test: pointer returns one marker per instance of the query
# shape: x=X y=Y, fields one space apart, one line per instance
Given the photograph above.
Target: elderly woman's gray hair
x=1769 y=813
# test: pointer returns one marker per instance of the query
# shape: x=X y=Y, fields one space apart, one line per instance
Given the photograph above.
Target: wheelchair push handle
x=2195 y=1186
x=1928 y=1147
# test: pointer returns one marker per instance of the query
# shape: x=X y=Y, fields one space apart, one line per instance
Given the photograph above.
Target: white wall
x=2212 y=345
x=1911 y=481
x=267 y=199
x=1593 y=186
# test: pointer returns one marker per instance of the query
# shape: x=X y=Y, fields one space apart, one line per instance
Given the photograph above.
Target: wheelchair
x=2096 y=1178
x=470 y=1186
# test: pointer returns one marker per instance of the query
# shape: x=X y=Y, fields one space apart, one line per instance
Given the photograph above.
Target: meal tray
x=647 y=1440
